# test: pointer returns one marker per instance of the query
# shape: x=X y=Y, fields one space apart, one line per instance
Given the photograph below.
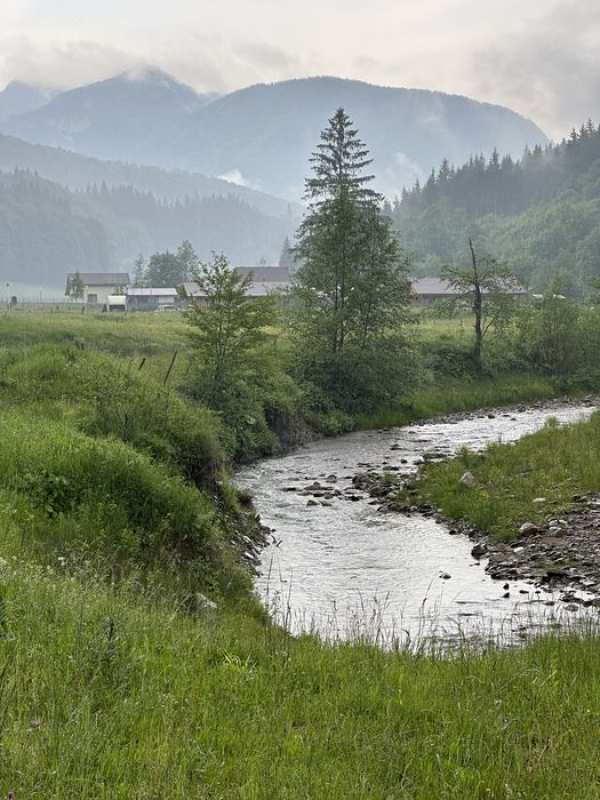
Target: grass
x=555 y=463
x=451 y=395
x=116 y=682
x=109 y=694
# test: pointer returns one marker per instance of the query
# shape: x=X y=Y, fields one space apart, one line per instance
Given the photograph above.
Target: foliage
x=54 y=230
x=234 y=370
x=352 y=289
x=75 y=287
x=485 y=286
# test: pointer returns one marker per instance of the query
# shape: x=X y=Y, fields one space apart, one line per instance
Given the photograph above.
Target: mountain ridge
x=262 y=135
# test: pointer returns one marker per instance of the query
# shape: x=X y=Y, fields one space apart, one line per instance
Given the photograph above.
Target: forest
x=540 y=214
x=47 y=231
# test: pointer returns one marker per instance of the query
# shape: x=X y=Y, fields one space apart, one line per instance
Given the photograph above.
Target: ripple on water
x=345 y=570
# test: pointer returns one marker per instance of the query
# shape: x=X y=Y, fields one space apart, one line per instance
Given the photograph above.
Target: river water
x=345 y=570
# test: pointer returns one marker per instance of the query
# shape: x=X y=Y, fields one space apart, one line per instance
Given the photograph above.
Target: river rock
x=204 y=604
x=468 y=480
x=528 y=528
x=479 y=551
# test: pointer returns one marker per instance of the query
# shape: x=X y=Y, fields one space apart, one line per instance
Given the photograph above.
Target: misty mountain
x=20 y=98
x=262 y=136
x=130 y=117
x=267 y=132
x=47 y=230
x=77 y=172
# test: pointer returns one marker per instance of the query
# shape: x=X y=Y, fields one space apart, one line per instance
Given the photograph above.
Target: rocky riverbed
x=342 y=554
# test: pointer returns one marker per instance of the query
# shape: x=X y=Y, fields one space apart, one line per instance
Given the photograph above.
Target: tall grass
x=109 y=695
x=452 y=395
x=554 y=464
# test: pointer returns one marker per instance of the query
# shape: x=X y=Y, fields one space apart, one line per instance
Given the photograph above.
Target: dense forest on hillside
x=47 y=231
x=540 y=214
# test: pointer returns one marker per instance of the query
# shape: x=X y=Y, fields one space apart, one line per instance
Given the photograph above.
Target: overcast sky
x=540 y=57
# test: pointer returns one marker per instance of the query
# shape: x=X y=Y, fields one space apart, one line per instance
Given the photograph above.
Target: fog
x=540 y=59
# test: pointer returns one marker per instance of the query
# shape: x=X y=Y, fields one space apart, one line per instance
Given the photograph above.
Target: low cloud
x=59 y=65
x=548 y=70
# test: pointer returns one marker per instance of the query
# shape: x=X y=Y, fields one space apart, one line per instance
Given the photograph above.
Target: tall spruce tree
x=351 y=288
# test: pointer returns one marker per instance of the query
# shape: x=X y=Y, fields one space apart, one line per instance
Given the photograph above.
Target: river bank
x=532 y=508
x=339 y=566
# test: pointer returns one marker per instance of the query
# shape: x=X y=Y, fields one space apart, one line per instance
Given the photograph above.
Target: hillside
x=540 y=214
x=76 y=171
x=263 y=135
x=47 y=231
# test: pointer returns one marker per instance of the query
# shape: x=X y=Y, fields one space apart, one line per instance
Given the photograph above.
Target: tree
x=75 y=288
x=188 y=260
x=352 y=289
x=229 y=328
x=488 y=287
x=139 y=272
x=286 y=257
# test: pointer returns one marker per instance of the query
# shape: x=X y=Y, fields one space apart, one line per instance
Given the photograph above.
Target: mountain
x=130 y=117
x=20 y=98
x=47 y=230
x=267 y=132
x=540 y=215
x=76 y=171
x=262 y=136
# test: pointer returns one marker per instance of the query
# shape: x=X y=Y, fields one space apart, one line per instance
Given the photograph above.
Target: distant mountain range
x=262 y=136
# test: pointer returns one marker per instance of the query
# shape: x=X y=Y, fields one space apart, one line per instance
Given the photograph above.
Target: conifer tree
x=351 y=286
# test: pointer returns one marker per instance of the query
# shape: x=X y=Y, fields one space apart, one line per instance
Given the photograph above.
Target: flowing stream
x=346 y=570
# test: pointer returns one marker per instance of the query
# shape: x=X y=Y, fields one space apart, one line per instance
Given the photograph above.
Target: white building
x=151 y=299
x=99 y=286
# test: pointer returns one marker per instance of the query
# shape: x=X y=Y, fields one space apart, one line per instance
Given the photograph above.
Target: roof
x=425 y=286
x=102 y=278
x=441 y=288
x=135 y=291
x=265 y=274
x=264 y=281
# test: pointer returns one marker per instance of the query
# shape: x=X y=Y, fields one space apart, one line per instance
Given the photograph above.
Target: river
x=345 y=570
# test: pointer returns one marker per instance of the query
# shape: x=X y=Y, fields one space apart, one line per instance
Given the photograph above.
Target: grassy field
x=116 y=679
x=555 y=463
x=109 y=694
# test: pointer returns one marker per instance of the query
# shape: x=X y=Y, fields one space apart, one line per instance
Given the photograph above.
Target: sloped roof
x=135 y=291
x=264 y=281
x=441 y=288
x=102 y=278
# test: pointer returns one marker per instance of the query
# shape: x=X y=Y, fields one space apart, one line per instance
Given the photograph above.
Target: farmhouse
x=430 y=290
x=264 y=281
x=150 y=299
x=99 y=286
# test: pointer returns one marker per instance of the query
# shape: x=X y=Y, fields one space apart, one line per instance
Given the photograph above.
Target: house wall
x=101 y=294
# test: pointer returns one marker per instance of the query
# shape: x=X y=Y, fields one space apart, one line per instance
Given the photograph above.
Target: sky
x=539 y=57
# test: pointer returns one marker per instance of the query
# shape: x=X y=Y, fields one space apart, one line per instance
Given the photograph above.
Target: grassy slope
x=110 y=691
x=108 y=695
x=554 y=464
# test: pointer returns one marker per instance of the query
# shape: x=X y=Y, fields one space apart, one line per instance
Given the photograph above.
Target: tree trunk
x=477 y=310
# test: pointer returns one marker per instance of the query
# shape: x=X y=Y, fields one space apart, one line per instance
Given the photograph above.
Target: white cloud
x=540 y=58
x=235 y=176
